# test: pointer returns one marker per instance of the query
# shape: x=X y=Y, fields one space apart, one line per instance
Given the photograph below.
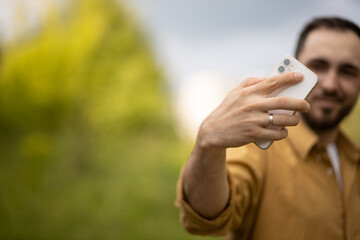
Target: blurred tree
x=87 y=148
x=351 y=124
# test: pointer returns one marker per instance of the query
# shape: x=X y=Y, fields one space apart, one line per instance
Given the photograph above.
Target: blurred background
x=100 y=101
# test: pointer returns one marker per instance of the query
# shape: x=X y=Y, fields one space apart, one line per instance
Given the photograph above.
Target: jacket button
x=330 y=172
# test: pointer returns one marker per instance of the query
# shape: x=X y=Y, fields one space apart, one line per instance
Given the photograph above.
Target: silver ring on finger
x=271 y=119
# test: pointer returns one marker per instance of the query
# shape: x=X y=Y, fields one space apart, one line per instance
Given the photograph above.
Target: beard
x=327 y=121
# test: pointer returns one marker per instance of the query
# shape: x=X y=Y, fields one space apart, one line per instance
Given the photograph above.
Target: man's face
x=334 y=56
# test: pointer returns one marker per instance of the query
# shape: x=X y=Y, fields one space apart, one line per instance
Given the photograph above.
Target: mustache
x=335 y=95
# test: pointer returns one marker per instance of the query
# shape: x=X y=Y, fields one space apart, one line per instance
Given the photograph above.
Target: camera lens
x=281 y=69
x=286 y=61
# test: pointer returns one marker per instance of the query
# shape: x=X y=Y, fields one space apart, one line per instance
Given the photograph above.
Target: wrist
x=206 y=139
x=209 y=154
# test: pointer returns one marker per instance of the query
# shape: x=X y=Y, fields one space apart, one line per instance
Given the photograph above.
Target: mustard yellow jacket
x=286 y=192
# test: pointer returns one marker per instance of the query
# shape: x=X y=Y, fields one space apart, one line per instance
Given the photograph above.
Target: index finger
x=247 y=82
x=273 y=83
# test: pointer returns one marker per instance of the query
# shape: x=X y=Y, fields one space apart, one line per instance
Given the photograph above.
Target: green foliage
x=87 y=147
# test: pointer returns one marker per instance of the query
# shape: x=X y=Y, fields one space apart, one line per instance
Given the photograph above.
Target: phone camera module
x=286 y=62
x=281 y=69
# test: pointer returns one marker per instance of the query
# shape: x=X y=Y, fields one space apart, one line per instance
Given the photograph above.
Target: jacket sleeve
x=245 y=171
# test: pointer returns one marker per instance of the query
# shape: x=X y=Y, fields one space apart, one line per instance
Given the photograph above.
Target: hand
x=242 y=117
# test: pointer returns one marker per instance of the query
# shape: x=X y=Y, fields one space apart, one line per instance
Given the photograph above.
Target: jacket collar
x=303 y=140
x=349 y=147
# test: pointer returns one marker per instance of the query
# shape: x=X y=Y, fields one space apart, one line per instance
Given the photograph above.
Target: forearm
x=205 y=183
x=240 y=119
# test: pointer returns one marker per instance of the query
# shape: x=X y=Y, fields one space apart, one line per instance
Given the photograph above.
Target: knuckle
x=252 y=121
x=280 y=135
x=306 y=106
x=244 y=82
x=273 y=82
x=288 y=120
x=302 y=106
x=281 y=101
x=289 y=77
x=281 y=121
x=249 y=105
x=291 y=120
x=241 y=93
x=277 y=136
x=284 y=133
x=296 y=119
x=246 y=108
x=254 y=132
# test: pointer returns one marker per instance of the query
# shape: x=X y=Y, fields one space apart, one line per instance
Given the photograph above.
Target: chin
x=325 y=119
x=320 y=125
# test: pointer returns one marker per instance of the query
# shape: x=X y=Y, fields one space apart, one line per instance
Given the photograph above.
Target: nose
x=329 y=81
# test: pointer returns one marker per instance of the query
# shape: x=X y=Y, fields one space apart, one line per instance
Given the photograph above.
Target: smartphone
x=299 y=91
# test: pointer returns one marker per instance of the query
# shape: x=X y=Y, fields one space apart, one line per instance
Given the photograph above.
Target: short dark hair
x=335 y=23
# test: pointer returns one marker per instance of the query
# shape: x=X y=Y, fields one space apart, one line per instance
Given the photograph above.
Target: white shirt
x=335 y=161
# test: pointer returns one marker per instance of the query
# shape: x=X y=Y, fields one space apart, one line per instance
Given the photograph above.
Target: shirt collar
x=349 y=147
x=303 y=140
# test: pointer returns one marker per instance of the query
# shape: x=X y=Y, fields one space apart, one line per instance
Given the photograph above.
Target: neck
x=328 y=136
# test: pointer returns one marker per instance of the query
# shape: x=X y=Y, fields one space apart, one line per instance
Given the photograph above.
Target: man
x=306 y=186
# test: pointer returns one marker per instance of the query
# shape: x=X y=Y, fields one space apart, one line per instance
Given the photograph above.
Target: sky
x=206 y=47
x=230 y=36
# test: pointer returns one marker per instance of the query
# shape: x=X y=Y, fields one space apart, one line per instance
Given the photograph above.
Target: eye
x=318 y=66
x=349 y=71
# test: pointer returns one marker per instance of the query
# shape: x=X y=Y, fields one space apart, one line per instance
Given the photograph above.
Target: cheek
x=315 y=92
x=351 y=90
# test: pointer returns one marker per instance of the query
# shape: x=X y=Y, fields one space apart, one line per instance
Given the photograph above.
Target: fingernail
x=298 y=75
x=308 y=106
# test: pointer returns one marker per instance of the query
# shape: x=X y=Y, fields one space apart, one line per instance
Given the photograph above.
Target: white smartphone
x=299 y=91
